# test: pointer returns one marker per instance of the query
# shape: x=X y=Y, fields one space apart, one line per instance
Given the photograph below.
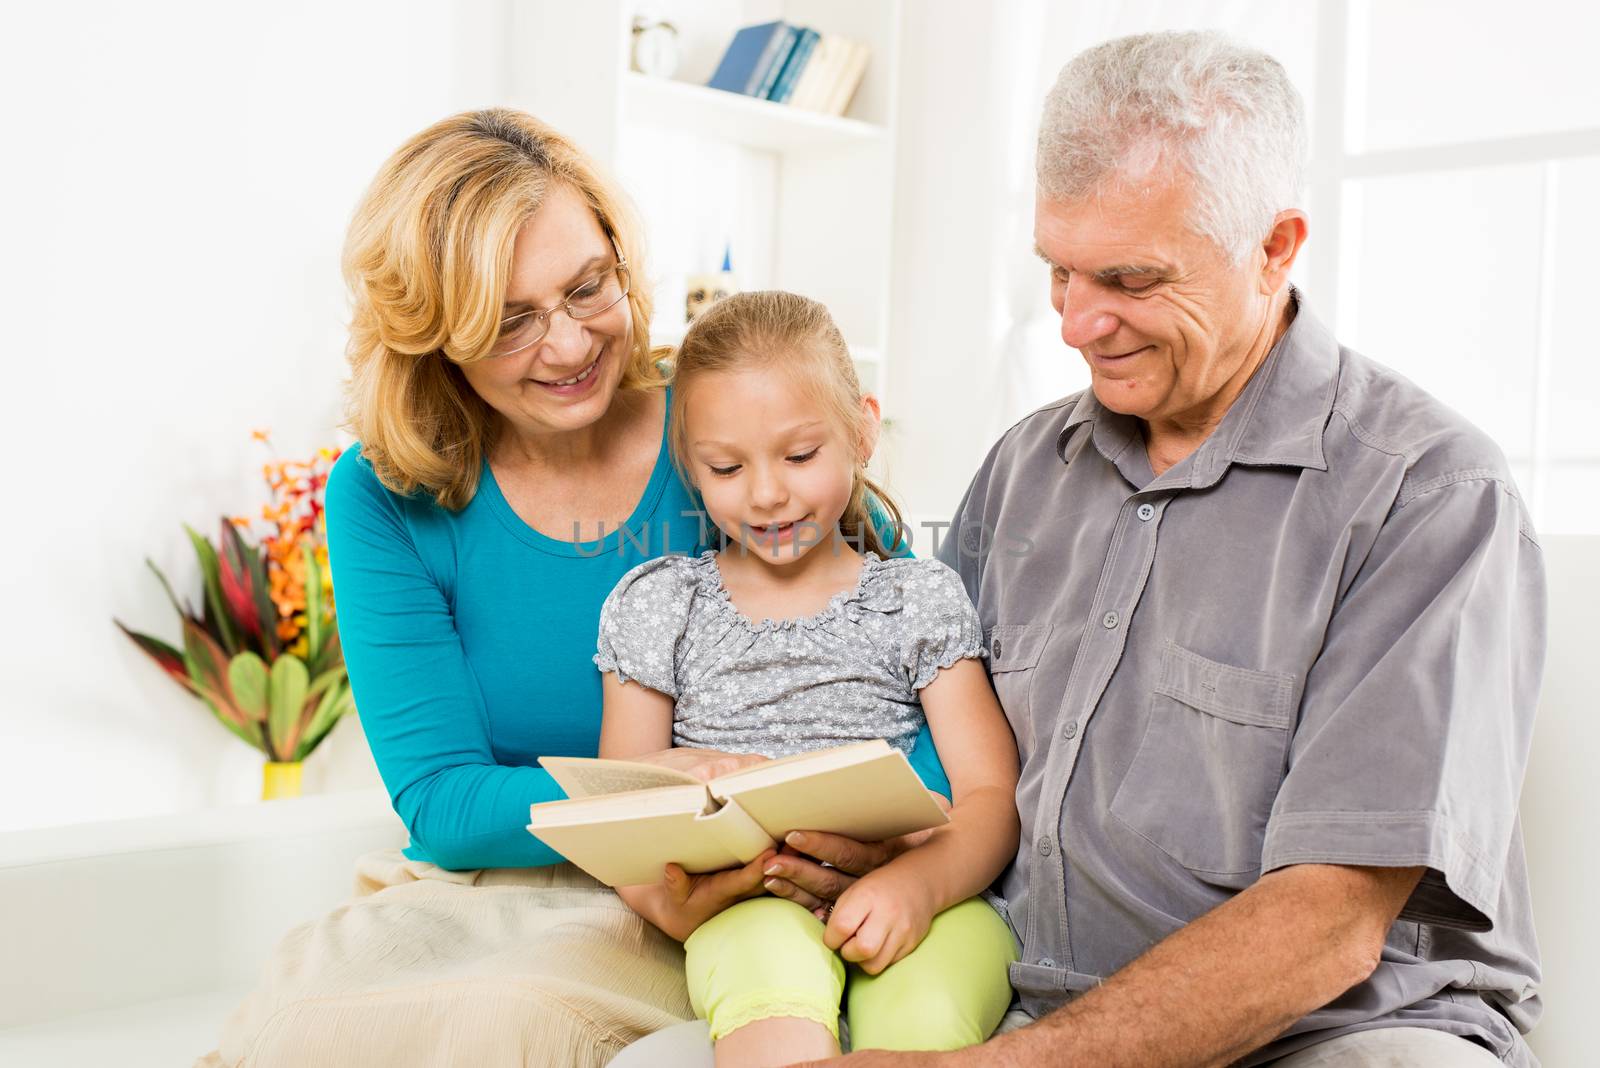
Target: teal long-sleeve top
x=468 y=637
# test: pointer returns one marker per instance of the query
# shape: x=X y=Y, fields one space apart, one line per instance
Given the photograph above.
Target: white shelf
x=805 y=201
x=744 y=120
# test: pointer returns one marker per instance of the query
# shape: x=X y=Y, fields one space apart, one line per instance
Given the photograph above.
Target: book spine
x=816 y=72
x=771 y=55
x=780 y=60
x=853 y=69
x=798 y=58
x=736 y=831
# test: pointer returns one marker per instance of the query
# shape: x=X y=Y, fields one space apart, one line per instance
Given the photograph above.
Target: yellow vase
x=280 y=780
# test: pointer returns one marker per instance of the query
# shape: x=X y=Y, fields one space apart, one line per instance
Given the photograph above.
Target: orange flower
x=295 y=518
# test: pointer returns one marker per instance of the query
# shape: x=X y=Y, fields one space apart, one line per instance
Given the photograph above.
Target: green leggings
x=765 y=957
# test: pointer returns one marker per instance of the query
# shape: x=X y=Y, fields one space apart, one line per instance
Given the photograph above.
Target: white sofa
x=128 y=943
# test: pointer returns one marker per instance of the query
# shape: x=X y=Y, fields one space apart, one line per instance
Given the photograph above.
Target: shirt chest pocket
x=1014 y=651
x=1214 y=752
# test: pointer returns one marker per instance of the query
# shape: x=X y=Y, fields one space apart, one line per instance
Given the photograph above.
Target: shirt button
x=1110 y=620
x=1044 y=845
x=1046 y=962
x=1070 y=730
x=1147 y=512
x=995 y=649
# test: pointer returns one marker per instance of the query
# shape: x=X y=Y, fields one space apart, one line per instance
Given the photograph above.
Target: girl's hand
x=682 y=902
x=703 y=764
x=879 y=919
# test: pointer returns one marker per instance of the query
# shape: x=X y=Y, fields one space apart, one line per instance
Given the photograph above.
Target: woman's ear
x=871 y=421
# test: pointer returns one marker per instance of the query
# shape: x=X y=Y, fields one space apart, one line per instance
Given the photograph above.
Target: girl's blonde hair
x=797 y=336
x=428 y=259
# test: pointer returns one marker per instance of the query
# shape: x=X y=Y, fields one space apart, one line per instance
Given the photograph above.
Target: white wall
x=177 y=184
x=179 y=177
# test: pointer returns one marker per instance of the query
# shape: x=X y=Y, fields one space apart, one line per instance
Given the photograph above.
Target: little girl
x=787 y=640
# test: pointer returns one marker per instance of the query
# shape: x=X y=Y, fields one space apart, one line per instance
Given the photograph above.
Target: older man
x=1267 y=621
x=1272 y=643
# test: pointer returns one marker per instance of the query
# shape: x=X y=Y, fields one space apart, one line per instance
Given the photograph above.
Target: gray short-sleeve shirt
x=846 y=674
x=1318 y=639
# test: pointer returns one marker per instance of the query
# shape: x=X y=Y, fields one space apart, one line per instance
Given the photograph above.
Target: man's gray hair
x=1222 y=113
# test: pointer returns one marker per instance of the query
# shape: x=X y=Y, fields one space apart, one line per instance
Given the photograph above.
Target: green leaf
x=200 y=654
x=248 y=734
x=183 y=610
x=247 y=674
x=208 y=669
x=290 y=681
x=328 y=678
x=265 y=609
x=332 y=651
x=216 y=608
x=207 y=664
x=335 y=704
x=170 y=659
x=314 y=626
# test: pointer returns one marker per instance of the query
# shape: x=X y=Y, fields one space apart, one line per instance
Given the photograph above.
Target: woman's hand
x=703 y=764
x=802 y=879
x=879 y=919
x=682 y=902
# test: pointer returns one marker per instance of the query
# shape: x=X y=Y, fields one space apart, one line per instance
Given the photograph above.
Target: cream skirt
x=494 y=968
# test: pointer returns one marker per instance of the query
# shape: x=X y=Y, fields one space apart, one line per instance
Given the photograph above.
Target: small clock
x=655 y=47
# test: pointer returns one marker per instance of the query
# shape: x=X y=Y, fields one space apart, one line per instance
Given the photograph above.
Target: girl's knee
x=948 y=993
x=761 y=927
x=762 y=957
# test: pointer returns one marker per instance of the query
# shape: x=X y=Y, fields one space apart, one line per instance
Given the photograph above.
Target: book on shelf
x=831 y=78
x=623 y=822
x=808 y=88
x=780 y=57
x=804 y=44
x=793 y=65
x=852 y=69
x=750 y=57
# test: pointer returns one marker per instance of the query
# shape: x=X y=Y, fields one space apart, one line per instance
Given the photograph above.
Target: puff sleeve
x=940 y=624
x=643 y=621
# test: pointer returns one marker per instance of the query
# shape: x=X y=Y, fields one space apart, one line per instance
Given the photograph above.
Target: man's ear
x=1284 y=242
x=871 y=421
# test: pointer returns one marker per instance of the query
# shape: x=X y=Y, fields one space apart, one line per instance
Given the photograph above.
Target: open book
x=623 y=822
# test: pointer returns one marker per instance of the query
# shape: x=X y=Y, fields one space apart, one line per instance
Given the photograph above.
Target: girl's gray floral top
x=850 y=673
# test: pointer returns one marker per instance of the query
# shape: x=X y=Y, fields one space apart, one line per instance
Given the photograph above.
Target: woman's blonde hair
x=428 y=259
x=797 y=336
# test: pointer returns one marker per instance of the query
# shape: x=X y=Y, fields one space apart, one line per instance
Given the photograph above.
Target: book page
x=592 y=777
x=801 y=765
x=848 y=791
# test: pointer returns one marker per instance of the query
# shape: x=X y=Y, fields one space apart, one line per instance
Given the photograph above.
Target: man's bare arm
x=1227 y=983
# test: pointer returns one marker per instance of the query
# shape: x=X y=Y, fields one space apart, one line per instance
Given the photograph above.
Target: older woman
x=513 y=466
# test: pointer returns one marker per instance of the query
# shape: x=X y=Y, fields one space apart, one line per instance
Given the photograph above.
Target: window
x=1454 y=163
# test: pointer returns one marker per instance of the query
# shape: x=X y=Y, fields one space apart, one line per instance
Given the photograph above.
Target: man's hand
x=802 y=879
x=682 y=902
x=879 y=919
x=703 y=764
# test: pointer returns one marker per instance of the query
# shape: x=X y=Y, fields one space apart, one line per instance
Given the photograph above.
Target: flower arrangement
x=263 y=653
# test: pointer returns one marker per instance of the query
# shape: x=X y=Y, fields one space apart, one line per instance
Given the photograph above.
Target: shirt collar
x=1277 y=421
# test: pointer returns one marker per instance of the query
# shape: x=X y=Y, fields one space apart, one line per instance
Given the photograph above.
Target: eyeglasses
x=598 y=294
